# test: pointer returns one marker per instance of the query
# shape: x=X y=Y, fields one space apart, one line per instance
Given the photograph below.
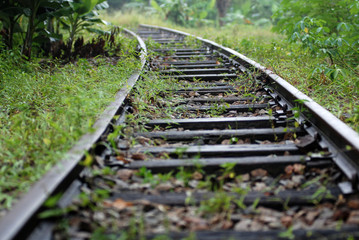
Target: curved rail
x=335 y=135
x=64 y=172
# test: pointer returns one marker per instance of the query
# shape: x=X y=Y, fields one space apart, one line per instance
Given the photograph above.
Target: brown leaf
x=118 y=204
x=196 y=224
x=227 y=224
x=298 y=168
x=353 y=217
x=143 y=140
x=259 y=172
x=286 y=221
x=123 y=159
x=354 y=203
x=197 y=175
x=139 y=156
x=289 y=169
x=247 y=141
x=341 y=214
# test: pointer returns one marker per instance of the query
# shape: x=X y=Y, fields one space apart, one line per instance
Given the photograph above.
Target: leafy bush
x=38 y=22
x=327 y=28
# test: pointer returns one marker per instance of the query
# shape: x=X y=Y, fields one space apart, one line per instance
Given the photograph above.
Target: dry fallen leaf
x=354 y=203
x=122 y=159
x=286 y=221
x=197 y=175
x=259 y=172
x=118 y=204
x=143 y=140
x=353 y=217
x=298 y=168
x=289 y=169
x=138 y=156
x=227 y=224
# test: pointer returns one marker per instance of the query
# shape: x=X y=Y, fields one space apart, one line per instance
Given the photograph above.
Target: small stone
x=298 y=179
x=259 y=186
x=319 y=223
x=311 y=216
x=275 y=225
x=267 y=219
x=236 y=217
x=196 y=224
x=162 y=187
x=245 y=177
x=125 y=174
x=226 y=142
x=256 y=226
x=269 y=212
x=120 y=184
x=81 y=235
x=240 y=142
x=99 y=216
x=159 y=229
x=178 y=183
x=243 y=225
x=193 y=183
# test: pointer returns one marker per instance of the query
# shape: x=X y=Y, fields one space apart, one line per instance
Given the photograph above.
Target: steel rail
x=332 y=133
x=66 y=170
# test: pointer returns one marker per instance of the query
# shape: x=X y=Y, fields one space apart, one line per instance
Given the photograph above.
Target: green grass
x=290 y=61
x=45 y=109
x=295 y=64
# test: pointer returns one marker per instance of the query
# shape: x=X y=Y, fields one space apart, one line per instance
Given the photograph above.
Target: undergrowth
x=44 y=109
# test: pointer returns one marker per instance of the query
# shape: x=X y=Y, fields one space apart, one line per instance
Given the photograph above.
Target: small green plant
x=243 y=193
x=288 y=234
x=220 y=203
x=180 y=151
x=184 y=175
x=228 y=169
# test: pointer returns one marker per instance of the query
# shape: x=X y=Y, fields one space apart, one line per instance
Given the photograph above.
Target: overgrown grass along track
x=210 y=145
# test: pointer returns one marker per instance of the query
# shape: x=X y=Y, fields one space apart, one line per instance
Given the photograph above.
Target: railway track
x=207 y=145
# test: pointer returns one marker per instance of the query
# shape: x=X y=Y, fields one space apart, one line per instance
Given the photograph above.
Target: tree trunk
x=222 y=6
x=26 y=48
